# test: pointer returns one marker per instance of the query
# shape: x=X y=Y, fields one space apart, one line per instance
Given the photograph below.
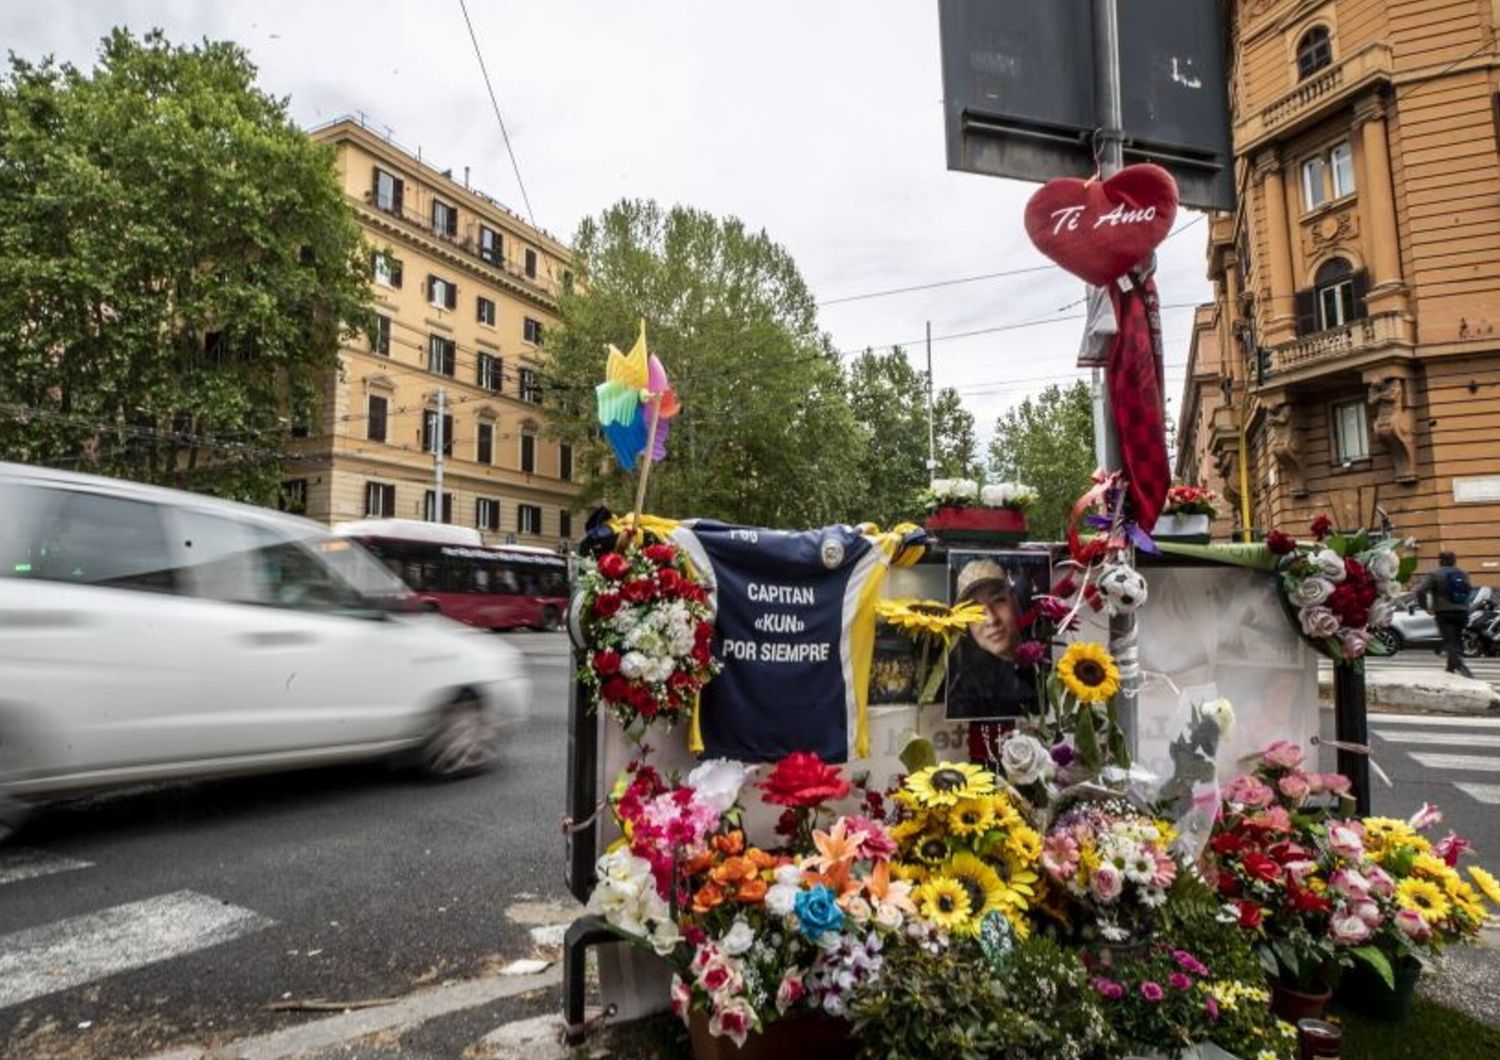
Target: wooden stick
x=640 y=490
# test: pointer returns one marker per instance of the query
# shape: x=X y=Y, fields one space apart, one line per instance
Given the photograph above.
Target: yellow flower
x=918 y=618
x=1381 y=832
x=1089 y=672
x=908 y=871
x=931 y=850
x=1487 y=884
x=972 y=817
x=944 y=902
x=1425 y=897
x=986 y=892
x=903 y=832
x=947 y=782
x=1024 y=843
x=1433 y=868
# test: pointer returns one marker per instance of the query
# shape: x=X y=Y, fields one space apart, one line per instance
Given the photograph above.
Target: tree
x=1048 y=443
x=889 y=399
x=957 y=445
x=178 y=266
x=765 y=435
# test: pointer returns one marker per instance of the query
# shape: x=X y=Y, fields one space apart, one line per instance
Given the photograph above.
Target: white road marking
x=27 y=863
x=1469 y=739
x=67 y=953
x=1464 y=763
x=1442 y=720
x=1486 y=793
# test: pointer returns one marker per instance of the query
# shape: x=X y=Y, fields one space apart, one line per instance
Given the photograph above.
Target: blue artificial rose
x=817 y=912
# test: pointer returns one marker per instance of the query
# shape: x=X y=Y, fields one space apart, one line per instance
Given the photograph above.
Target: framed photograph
x=983 y=681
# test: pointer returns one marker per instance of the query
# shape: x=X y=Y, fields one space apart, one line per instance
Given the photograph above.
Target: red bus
x=452 y=571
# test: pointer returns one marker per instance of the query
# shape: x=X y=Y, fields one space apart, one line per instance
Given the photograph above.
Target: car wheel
x=1473 y=646
x=464 y=742
x=1390 y=639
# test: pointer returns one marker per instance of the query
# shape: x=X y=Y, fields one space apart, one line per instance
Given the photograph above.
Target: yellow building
x=1352 y=341
x=464 y=292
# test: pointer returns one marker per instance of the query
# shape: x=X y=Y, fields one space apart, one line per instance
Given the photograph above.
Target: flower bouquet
x=1340 y=589
x=649 y=625
x=934 y=627
x=1187 y=516
x=959 y=511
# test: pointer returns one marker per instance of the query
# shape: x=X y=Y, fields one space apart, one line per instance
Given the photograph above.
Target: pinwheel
x=636 y=404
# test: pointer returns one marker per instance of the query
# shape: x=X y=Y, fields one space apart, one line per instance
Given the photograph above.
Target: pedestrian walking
x=1446 y=594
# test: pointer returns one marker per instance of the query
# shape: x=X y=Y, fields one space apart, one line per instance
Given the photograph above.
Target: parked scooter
x=1482 y=634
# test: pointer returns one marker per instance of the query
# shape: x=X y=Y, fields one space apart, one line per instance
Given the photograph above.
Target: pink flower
x=1060 y=856
x=1107 y=882
x=1367 y=911
x=1295 y=787
x=1411 y=924
x=707 y=954
x=682 y=999
x=1283 y=754
x=1109 y=988
x=1152 y=991
x=1300 y=870
x=1336 y=783
x=1030 y=652
x=1451 y=848
x=1212 y=1008
x=1271 y=819
x=1166 y=869
x=733 y=1020
x=1426 y=817
x=790 y=991
x=877 y=844
x=1188 y=963
x=1180 y=981
x=1346 y=839
x=721 y=977
x=1354 y=641
x=1350 y=884
x=1348 y=929
x=1381 y=884
x=1245 y=790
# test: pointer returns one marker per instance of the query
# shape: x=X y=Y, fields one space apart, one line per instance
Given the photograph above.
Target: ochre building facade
x=1351 y=357
x=464 y=291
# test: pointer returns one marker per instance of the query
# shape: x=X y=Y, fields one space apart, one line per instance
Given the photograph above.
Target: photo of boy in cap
x=984 y=682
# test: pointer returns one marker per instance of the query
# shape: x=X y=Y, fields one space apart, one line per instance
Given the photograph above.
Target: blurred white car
x=147 y=634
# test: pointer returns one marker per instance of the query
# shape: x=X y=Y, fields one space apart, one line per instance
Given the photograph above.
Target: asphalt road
x=344 y=884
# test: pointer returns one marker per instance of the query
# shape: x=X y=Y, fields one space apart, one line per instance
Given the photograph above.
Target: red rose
x=1322 y=526
x=606 y=663
x=1227 y=843
x=639 y=591
x=661 y=555
x=607 y=606
x=1280 y=543
x=1305 y=901
x=1286 y=851
x=703 y=633
x=701 y=655
x=1261 y=867
x=1250 y=915
x=616 y=690
x=680 y=682
x=1355 y=616
x=1229 y=885
x=613 y=566
x=669 y=582
x=803 y=779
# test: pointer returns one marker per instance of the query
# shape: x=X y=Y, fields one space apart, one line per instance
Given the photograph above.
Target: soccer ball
x=1123 y=587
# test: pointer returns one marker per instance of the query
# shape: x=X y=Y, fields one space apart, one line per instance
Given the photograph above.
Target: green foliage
x=766 y=435
x=889 y=400
x=177 y=266
x=957 y=443
x=1047 y=442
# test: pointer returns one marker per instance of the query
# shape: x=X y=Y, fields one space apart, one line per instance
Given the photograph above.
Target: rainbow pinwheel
x=635 y=390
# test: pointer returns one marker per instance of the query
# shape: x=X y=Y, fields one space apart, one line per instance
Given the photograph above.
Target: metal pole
x=437 y=451
x=1351 y=725
x=931 y=426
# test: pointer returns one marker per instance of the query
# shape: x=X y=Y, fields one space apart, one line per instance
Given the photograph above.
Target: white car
x=147 y=635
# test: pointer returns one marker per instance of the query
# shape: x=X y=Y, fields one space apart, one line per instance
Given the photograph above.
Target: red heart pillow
x=1100 y=230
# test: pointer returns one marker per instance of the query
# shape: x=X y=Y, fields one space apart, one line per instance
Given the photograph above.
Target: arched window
x=1313 y=52
x=1334 y=284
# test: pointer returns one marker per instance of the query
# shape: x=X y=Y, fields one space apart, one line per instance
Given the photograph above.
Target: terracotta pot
x=978 y=525
x=1293 y=1005
x=1362 y=990
x=800 y=1035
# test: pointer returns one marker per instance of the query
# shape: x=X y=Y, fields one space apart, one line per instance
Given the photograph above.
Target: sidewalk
x=1402 y=686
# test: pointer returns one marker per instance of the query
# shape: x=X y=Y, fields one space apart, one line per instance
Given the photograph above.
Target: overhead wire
x=495 y=103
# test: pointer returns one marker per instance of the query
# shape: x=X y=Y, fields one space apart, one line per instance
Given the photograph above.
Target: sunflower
x=947 y=782
x=911 y=873
x=986 y=891
x=1382 y=832
x=944 y=902
x=972 y=817
x=903 y=832
x=1089 y=672
x=931 y=850
x=919 y=618
x=1487 y=884
x=1432 y=867
x=1425 y=897
x=1024 y=844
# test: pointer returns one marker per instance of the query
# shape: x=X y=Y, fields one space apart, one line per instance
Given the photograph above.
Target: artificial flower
x=945 y=903
x=817 y=912
x=1425 y=897
x=1487 y=884
x=836 y=846
x=718 y=781
x=803 y=780
x=972 y=817
x=946 y=783
x=1283 y=754
x=1088 y=671
x=1025 y=760
x=930 y=616
x=1280 y=543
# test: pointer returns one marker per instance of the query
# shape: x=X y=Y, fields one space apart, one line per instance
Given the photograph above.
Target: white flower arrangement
x=967 y=493
x=1016 y=496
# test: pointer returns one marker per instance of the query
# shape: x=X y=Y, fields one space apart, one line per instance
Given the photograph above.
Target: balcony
x=1353 y=345
x=1310 y=100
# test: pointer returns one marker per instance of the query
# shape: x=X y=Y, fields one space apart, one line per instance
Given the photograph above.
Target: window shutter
x=375 y=185
x=450 y=295
x=396 y=273
x=431 y=279
x=1307 y=312
x=1361 y=288
x=400 y=187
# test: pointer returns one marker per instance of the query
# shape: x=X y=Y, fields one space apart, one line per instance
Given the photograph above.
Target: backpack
x=1456 y=586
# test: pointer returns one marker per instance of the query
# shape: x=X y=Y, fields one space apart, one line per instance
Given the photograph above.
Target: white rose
x=1222 y=713
x=888 y=917
x=634 y=665
x=718 y=782
x=1381 y=613
x=738 y=939
x=788 y=876
x=1025 y=760
x=859 y=910
x=1312 y=591
x=1329 y=563
x=664 y=936
x=782 y=899
x=1319 y=622
x=1384 y=564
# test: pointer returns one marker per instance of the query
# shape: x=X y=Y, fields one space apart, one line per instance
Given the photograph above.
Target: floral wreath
x=646 y=618
x=1341 y=588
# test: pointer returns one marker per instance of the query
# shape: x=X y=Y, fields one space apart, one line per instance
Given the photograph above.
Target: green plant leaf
x=1407 y=569
x=1360 y=543
x=1377 y=960
x=1084 y=737
x=918 y=754
x=1286 y=956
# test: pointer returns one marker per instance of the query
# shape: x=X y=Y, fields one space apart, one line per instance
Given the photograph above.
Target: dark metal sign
x=1020 y=90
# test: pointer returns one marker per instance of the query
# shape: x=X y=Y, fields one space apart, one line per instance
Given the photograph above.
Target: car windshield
x=358 y=569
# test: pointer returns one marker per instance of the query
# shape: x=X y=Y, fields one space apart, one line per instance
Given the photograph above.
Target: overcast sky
x=818 y=120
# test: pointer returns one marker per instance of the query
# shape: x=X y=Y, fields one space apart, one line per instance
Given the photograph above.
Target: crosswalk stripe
x=67 y=953
x=1468 y=739
x=1486 y=793
x=1443 y=720
x=26 y=863
x=1463 y=763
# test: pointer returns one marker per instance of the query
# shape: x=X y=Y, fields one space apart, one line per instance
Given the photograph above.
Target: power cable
x=530 y=216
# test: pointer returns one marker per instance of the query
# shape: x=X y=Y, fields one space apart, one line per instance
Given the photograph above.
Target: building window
x=531 y=331
x=441 y=293
x=485 y=311
x=567 y=281
x=388 y=191
x=487 y=514
x=528 y=452
x=377 y=421
x=444 y=219
x=1314 y=187
x=429 y=430
x=491 y=247
x=442 y=355
x=488 y=375
x=530 y=390
x=1341 y=169
x=530 y=264
x=386 y=270
x=484 y=446
x=293 y=496
x=565 y=462
x=1351 y=436
x=1326 y=176
x=565 y=523
x=380 y=499
x=528 y=519
x=427 y=506
x=1314 y=51
x=380 y=338
x=1334 y=284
